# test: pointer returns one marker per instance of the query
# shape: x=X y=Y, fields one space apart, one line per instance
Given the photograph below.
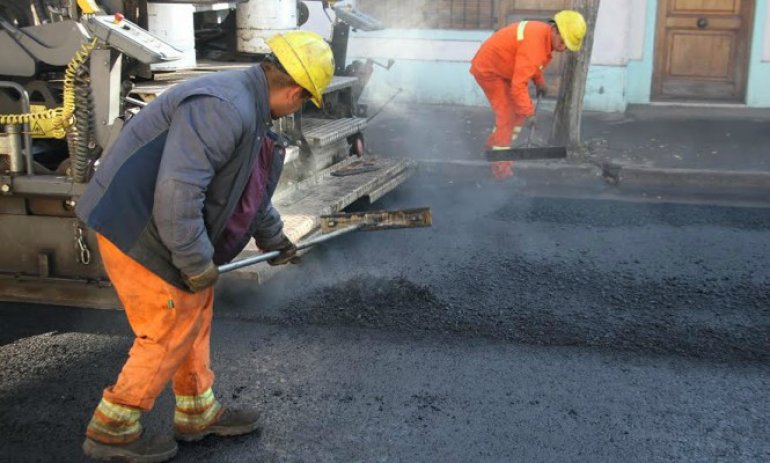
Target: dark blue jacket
x=167 y=186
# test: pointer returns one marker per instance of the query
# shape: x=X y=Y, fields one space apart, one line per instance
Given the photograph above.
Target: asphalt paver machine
x=72 y=72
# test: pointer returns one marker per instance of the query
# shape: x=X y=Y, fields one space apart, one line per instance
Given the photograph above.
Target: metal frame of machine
x=70 y=77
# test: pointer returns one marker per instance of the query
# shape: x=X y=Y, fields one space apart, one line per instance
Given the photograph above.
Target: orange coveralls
x=172 y=330
x=503 y=67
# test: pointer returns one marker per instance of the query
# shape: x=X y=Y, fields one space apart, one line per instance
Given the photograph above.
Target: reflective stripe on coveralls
x=520 y=31
x=194 y=413
x=172 y=329
x=114 y=424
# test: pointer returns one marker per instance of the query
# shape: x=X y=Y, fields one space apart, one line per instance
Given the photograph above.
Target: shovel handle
x=534 y=116
x=265 y=256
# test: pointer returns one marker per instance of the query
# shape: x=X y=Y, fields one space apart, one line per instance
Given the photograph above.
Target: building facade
x=710 y=52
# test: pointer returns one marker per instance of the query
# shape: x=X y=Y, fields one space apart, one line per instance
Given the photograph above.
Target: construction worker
x=505 y=64
x=183 y=189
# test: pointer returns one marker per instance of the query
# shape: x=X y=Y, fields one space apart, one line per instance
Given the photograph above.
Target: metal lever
x=390 y=64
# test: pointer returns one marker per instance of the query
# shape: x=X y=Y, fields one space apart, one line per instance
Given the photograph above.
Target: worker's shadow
x=22 y=320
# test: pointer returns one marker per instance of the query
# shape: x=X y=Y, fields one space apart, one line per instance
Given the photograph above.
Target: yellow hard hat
x=572 y=28
x=307 y=58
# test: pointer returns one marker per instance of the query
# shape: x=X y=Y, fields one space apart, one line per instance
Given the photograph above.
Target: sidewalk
x=645 y=147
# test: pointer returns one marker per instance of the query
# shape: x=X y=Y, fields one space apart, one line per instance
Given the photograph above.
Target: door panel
x=698 y=55
x=702 y=49
x=709 y=6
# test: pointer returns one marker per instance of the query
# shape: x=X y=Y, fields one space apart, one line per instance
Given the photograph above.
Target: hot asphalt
x=528 y=324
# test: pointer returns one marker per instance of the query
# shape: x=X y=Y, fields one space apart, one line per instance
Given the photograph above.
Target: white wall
x=318 y=22
x=637 y=22
x=619 y=35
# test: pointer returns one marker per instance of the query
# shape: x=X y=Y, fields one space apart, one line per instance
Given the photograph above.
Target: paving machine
x=72 y=72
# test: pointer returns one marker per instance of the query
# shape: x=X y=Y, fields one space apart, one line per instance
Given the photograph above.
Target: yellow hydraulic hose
x=62 y=116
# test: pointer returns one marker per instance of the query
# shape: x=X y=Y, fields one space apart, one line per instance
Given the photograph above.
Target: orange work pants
x=172 y=329
x=508 y=124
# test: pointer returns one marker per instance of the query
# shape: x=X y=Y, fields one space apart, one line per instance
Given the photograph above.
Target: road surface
x=517 y=328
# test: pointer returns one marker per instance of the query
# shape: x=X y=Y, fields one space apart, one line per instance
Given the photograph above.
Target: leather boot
x=146 y=449
x=232 y=422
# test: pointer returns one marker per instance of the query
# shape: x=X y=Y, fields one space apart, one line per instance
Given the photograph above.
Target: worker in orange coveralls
x=506 y=63
x=186 y=185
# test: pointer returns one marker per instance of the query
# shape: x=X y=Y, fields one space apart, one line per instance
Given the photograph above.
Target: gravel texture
x=517 y=328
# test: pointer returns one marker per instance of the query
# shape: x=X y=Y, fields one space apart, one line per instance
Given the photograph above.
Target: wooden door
x=510 y=11
x=702 y=49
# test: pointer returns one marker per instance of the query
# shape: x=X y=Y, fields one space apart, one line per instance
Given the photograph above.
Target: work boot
x=146 y=449
x=232 y=422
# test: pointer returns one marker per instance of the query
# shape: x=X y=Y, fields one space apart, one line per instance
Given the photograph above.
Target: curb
x=639 y=176
x=614 y=174
x=709 y=112
x=545 y=172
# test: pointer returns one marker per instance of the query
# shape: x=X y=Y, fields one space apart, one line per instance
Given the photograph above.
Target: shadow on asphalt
x=24 y=320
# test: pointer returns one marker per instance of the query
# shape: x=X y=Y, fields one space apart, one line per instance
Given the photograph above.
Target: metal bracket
x=378 y=220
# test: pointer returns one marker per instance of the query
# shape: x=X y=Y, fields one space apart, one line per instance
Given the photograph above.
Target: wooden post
x=569 y=105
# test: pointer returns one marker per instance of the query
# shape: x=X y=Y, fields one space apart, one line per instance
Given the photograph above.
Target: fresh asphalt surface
x=517 y=328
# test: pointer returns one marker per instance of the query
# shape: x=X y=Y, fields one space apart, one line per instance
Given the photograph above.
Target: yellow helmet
x=572 y=27
x=307 y=58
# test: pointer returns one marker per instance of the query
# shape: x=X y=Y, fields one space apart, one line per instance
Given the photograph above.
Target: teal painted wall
x=434 y=82
x=609 y=88
x=639 y=72
x=605 y=89
x=758 y=89
x=422 y=80
x=449 y=82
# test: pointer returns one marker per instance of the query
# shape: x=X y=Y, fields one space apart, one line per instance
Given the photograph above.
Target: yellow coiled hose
x=62 y=116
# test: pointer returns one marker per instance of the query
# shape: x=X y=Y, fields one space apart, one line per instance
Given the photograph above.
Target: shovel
x=528 y=153
x=339 y=224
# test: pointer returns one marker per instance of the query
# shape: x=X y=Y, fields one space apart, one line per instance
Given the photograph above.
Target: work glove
x=202 y=280
x=541 y=92
x=288 y=252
